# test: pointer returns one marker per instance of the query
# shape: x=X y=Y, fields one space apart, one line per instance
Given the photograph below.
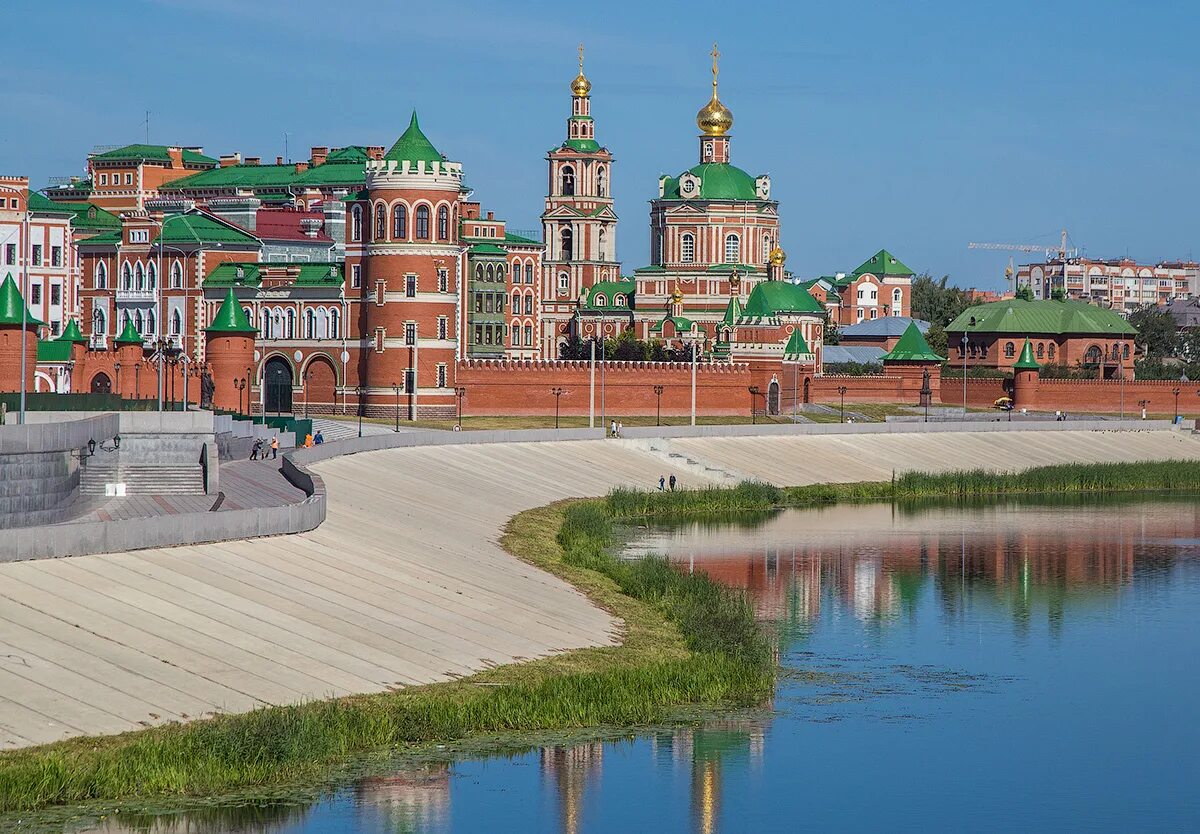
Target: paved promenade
x=404 y=582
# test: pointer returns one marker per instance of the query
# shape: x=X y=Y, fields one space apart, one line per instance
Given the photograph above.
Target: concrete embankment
x=404 y=582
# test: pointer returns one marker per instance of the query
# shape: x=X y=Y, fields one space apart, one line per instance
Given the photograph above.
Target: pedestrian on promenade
x=255 y=448
x=308 y=441
x=662 y=484
x=320 y=438
x=620 y=428
x=612 y=429
x=275 y=446
x=672 y=482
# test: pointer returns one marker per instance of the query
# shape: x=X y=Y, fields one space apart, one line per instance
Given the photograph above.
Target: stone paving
x=404 y=583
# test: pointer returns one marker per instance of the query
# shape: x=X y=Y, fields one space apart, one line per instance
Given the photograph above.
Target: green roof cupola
x=72 y=334
x=912 y=347
x=413 y=146
x=1025 y=361
x=12 y=305
x=129 y=335
x=231 y=318
x=796 y=346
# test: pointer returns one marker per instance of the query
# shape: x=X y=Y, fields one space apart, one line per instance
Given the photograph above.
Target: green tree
x=1024 y=293
x=935 y=301
x=832 y=335
x=1156 y=331
x=935 y=337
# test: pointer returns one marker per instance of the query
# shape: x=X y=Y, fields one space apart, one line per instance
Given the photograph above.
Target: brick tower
x=229 y=349
x=12 y=336
x=412 y=275
x=579 y=225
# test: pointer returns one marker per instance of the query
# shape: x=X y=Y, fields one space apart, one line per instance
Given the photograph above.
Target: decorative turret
x=128 y=345
x=715 y=121
x=229 y=347
x=1026 y=376
x=916 y=362
x=73 y=336
x=796 y=349
x=17 y=327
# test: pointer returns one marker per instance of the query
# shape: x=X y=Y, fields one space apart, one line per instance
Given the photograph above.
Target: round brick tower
x=13 y=335
x=229 y=347
x=1026 y=373
x=411 y=265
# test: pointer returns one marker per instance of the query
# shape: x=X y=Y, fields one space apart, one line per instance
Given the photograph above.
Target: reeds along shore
x=1181 y=476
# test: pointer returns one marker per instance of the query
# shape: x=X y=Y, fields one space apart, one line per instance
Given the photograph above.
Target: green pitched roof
x=1026 y=362
x=103 y=239
x=413 y=146
x=88 y=216
x=317 y=274
x=71 y=333
x=41 y=203
x=718 y=181
x=231 y=318
x=55 y=350
x=12 y=305
x=773 y=298
x=157 y=153
x=912 y=347
x=733 y=312
x=521 y=240
x=200 y=228
x=682 y=324
x=582 y=145
x=883 y=262
x=129 y=335
x=486 y=249
x=610 y=289
x=796 y=346
x=1014 y=315
x=226 y=275
x=350 y=153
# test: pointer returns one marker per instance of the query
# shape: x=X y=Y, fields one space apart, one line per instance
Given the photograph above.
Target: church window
x=423 y=222
x=733 y=249
x=151 y=328
x=101 y=281
x=564 y=282
x=151 y=277
x=356 y=223
x=400 y=222
x=310 y=324
x=601 y=181
x=443 y=223
x=137 y=322
x=176 y=275
x=600 y=300
x=600 y=249
x=176 y=323
x=567 y=240
x=333 y=324
x=528 y=273
x=618 y=300
x=139 y=279
x=1050 y=351
x=1041 y=350
x=380 y=223
x=766 y=248
x=1125 y=351
x=687 y=248
x=1010 y=350
x=568 y=181
x=126 y=277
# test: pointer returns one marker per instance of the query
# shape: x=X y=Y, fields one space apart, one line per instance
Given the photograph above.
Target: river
x=1009 y=666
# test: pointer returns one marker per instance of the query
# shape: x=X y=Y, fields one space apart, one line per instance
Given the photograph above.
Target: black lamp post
x=658 y=389
x=304 y=390
x=117 y=368
x=359 y=391
x=753 y=394
x=1176 y=392
x=842 y=393
x=557 y=392
x=240 y=385
x=459 y=393
x=396 y=388
x=250 y=376
x=137 y=385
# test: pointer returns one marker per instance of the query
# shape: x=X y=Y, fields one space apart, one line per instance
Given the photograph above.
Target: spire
x=11 y=305
x=129 y=335
x=413 y=146
x=795 y=347
x=912 y=347
x=1025 y=361
x=714 y=118
x=231 y=318
x=71 y=333
x=581 y=86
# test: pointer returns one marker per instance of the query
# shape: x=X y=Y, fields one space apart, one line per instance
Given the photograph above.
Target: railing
x=98 y=341
x=136 y=295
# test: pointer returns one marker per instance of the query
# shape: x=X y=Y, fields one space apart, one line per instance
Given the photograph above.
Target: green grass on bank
x=686 y=642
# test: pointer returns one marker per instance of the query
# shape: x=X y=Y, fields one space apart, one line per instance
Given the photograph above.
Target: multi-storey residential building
x=35 y=248
x=880 y=287
x=124 y=178
x=1121 y=284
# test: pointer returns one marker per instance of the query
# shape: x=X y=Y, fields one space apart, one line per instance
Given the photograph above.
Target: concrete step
x=144 y=480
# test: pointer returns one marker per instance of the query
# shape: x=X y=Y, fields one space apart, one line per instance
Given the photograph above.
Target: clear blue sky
x=916 y=126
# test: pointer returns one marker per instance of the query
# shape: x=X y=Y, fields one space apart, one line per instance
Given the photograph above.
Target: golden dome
x=677 y=295
x=777 y=256
x=581 y=86
x=714 y=118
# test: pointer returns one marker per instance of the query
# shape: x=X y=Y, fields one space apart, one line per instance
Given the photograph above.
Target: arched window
x=333 y=323
x=516 y=303
x=126 y=277
x=600 y=248
x=1010 y=350
x=1050 y=351
x=443 y=223
x=264 y=326
x=101 y=280
x=177 y=275
x=490 y=272
x=568 y=181
x=176 y=322
x=500 y=272
x=356 y=223
x=249 y=314
x=138 y=322
x=277 y=324
x=422 y=222
x=766 y=248
x=310 y=324
x=897 y=301
x=1125 y=351
x=151 y=277
x=150 y=323
x=733 y=249
x=566 y=241
x=99 y=321
x=1116 y=351
x=564 y=282
x=290 y=331
x=601 y=181
x=529 y=304
x=380 y=223
x=400 y=222
x=618 y=300
x=687 y=248
x=528 y=273
x=1041 y=350
x=139 y=277
x=600 y=299
x=1092 y=356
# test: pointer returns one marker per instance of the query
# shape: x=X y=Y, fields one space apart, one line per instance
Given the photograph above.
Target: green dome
x=718 y=181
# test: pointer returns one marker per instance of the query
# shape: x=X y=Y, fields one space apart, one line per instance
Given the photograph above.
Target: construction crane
x=1063 y=253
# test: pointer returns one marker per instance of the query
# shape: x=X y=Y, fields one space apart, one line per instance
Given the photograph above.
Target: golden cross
x=581 y=58
x=715 y=55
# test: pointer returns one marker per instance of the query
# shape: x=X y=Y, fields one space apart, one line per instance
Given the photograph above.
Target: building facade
x=1121 y=284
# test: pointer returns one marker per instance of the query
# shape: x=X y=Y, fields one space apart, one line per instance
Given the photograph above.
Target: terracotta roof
x=284 y=224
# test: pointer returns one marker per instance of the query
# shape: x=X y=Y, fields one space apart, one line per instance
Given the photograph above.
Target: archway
x=277 y=385
x=773 y=398
x=320 y=386
x=101 y=384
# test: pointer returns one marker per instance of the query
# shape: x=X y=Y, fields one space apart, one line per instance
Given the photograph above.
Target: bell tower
x=579 y=224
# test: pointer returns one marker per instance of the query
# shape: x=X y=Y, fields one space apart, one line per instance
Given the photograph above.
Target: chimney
x=375 y=152
x=253 y=160
x=279 y=160
x=491 y=215
x=229 y=159
x=176 y=155
x=311 y=225
x=319 y=155
x=301 y=167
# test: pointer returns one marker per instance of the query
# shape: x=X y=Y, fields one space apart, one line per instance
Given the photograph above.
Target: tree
x=935 y=301
x=575 y=348
x=832 y=335
x=1156 y=331
x=935 y=337
x=1024 y=293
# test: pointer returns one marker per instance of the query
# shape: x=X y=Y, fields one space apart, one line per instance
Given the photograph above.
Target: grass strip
x=686 y=641
x=1061 y=479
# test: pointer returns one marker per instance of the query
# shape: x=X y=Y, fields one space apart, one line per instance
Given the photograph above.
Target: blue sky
x=916 y=126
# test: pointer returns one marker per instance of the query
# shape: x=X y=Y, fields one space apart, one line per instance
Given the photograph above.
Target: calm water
x=1008 y=667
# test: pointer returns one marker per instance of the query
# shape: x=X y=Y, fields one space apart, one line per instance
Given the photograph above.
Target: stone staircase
x=143 y=480
x=660 y=448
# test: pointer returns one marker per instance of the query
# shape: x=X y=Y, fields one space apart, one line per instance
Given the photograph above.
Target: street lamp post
x=137 y=384
x=557 y=392
x=249 y=389
x=240 y=386
x=396 y=388
x=753 y=394
x=459 y=393
x=1176 y=392
x=117 y=368
x=964 y=359
x=658 y=389
x=359 y=391
x=842 y=393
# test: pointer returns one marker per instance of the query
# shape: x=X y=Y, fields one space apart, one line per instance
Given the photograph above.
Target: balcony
x=98 y=341
x=136 y=295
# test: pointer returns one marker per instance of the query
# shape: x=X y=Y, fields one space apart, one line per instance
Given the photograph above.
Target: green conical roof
x=231 y=318
x=413 y=146
x=12 y=305
x=733 y=312
x=129 y=335
x=883 y=262
x=1025 y=360
x=796 y=346
x=912 y=347
x=71 y=333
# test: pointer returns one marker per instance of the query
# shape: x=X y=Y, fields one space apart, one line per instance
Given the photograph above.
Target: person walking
x=255 y=448
x=274 y=446
x=672 y=482
x=662 y=484
x=308 y=441
x=620 y=428
x=612 y=429
x=320 y=438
